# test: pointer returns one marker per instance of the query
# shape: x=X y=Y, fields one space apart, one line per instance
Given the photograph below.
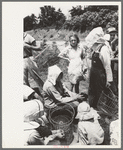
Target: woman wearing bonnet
x=77 y=69
x=100 y=73
x=89 y=130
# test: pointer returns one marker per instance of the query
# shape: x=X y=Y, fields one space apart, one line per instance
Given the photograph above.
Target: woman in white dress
x=77 y=69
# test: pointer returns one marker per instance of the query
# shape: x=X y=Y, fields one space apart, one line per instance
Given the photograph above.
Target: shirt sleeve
x=58 y=96
x=29 y=39
x=105 y=58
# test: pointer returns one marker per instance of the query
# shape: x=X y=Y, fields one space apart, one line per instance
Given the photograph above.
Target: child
x=89 y=130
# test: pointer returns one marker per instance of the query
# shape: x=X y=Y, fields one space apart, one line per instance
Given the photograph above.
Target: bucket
x=61 y=117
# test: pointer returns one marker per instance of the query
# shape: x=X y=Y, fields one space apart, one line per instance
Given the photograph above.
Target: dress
x=76 y=66
x=100 y=72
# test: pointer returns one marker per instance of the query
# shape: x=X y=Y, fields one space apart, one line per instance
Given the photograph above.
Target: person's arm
x=63 y=54
x=30 y=43
x=49 y=138
x=38 y=97
x=58 y=96
x=105 y=58
x=33 y=46
x=72 y=94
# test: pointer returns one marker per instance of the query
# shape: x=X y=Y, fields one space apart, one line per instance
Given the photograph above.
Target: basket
x=108 y=103
x=61 y=117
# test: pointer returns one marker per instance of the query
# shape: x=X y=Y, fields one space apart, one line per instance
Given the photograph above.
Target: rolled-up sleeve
x=105 y=58
x=29 y=39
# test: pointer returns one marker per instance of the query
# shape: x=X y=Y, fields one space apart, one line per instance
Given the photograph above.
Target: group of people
x=37 y=105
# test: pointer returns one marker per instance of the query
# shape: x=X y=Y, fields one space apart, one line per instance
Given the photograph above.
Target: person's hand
x=60 y=134
x=79 y=97
x=51 y=137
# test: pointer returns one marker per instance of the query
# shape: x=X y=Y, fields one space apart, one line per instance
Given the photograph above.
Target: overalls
x=97 y=78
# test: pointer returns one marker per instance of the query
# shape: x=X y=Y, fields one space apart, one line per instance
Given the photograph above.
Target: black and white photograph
x=66 y=74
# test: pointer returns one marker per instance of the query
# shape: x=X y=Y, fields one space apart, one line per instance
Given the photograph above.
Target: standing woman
x=74 y=54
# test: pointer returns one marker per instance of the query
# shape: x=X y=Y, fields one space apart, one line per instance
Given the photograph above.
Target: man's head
x=112 y=31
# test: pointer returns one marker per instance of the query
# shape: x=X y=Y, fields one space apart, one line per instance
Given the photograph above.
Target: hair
x=76 y=36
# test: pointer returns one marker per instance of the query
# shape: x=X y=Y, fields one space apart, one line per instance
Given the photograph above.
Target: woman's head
x=74 y=40
x=54 y=74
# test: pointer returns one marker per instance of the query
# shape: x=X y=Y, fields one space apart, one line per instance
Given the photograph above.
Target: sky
x=27 y=8
x=34 y=7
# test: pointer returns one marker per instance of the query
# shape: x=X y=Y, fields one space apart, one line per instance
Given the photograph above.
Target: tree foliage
x=50 y=17
x=89 y=17
x=82 y=18
x=30 y=22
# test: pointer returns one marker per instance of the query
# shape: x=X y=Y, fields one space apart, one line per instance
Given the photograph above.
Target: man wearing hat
x=114 y=45
x=112 y=31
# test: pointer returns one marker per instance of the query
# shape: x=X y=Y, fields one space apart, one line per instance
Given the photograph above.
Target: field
x=56 y=42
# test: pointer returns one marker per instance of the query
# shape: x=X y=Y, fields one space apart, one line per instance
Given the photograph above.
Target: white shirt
x=105 y=56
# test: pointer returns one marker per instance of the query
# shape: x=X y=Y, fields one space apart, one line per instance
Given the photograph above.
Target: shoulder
x=104 y=47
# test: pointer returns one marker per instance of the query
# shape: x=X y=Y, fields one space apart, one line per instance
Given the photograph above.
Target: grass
x=55 y=35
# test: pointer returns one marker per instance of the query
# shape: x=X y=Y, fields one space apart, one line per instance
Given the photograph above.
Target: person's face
x=112 y=36
x=73 y=41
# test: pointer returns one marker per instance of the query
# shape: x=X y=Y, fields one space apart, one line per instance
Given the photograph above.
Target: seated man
x=55 y=92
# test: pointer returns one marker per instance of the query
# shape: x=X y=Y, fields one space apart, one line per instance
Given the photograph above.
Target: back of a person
x=94 y=131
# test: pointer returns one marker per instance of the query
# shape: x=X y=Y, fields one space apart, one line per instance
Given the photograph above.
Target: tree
x=30 y=22
x=49 y=16
x=89 y=17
